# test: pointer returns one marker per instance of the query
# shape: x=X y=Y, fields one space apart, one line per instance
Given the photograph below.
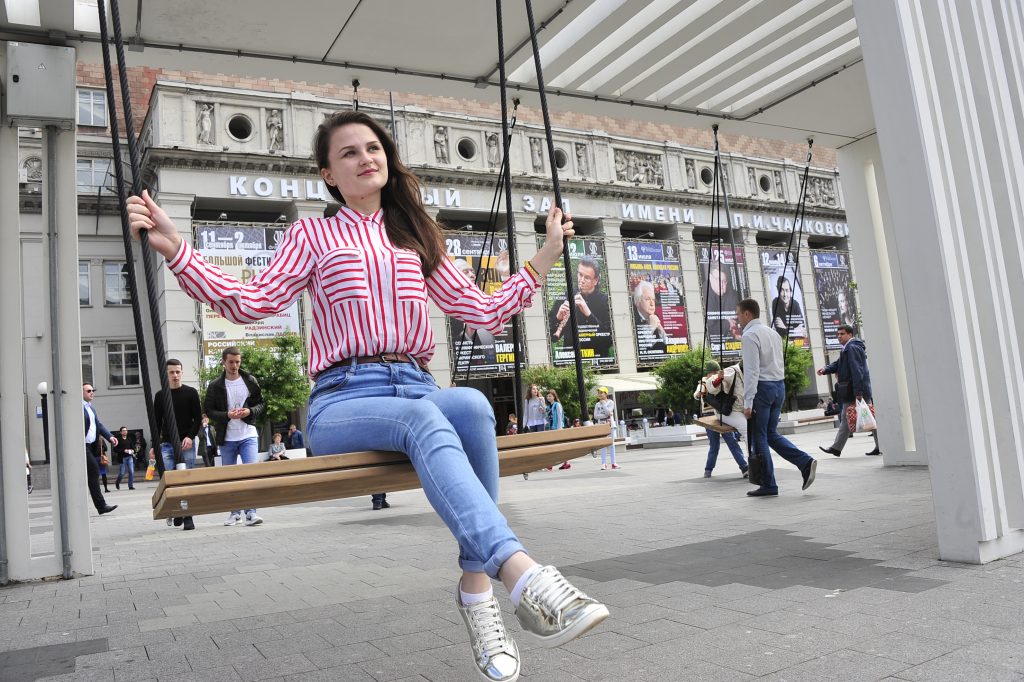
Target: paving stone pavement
x=841 y=582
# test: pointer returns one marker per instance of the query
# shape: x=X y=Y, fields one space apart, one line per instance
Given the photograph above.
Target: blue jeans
x=767 y=408
x=127 y=469
x=714 y=442
x=231 y=450
x=449 y=436
x=167 y=453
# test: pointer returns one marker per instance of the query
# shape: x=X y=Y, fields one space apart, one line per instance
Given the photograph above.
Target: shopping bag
x=151 y=470
x=865 y=416
x=861 y=417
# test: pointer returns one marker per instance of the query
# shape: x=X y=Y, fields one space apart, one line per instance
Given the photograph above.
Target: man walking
x=187 y=414
x=854 y=383
x=207 y=442
x=94 y=428
x=124 y=455
x=233 y=402
x=763 y=395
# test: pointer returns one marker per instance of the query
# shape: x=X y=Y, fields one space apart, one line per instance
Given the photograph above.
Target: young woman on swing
x=369 y=271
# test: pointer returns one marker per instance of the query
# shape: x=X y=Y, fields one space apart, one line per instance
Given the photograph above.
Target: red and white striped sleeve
x=271 y=291
x=457 y=296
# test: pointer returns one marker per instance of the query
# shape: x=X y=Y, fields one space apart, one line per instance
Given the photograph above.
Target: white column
x=178 y=312
x=68 y=351
x=12 y=396
x=535 y=333
x=947 y=112
x=882 y=303
x=618 y=296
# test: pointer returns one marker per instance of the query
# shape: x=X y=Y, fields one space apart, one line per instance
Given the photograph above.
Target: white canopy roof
x=768 y=68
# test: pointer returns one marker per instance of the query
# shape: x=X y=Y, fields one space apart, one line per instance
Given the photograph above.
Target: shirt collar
x=352 y=216
x=753 y=323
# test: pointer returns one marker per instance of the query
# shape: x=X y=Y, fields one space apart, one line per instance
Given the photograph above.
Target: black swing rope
x=170 y=424
x=481 y=275
x=557 y=191
x=797 y=235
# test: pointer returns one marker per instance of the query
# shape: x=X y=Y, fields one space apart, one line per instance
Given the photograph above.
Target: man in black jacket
x=593 y=315
x=187 y=413
x=233 y=403
x=853 y=383
x=94 y=428
x=207 y=442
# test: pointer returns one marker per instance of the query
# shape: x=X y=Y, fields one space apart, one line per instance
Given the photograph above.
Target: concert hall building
x=231 y=161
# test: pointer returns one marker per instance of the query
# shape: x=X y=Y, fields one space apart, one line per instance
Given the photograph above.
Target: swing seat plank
x=712 y=422
x=315 y=479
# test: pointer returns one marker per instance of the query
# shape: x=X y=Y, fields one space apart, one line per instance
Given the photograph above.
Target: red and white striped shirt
x=368 y=295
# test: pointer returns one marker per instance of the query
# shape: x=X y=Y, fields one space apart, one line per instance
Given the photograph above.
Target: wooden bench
x=330 y=477
x=711 y=422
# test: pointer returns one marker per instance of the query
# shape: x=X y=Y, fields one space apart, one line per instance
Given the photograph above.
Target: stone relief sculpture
x=725 y=179
x=778 y=184
x=493 y=158
x=828 y=192
x=536 y=154
x=204 y=123
x=691 y=174
x=275 y=131
x=33 y=165
x=582 y=165
x=752 y=182
x=637 y=167
x=441 y=144
x=814 y=191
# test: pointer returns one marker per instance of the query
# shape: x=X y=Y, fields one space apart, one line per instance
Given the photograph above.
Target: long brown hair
x=407 y=223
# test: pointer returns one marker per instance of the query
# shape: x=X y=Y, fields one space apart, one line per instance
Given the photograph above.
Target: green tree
x=279 y=369
x=563 y=380
x=677 y=379
x=798 y=364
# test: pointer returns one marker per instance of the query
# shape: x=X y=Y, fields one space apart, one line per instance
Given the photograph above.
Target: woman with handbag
x=722 y=391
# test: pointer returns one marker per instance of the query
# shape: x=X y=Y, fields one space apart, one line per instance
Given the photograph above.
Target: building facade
x=233 y=167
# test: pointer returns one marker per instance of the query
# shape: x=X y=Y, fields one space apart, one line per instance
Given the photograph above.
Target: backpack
x=722 y=402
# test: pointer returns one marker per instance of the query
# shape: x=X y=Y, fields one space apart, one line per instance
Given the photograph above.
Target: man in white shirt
x=764 y=391
x=233 y=403
x=94 y=428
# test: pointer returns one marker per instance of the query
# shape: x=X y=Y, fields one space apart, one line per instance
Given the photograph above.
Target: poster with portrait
x=593 y=308
x=484 y=261
x=786 y=312
x=654 y=276
x=723 y=279
x=836 y=299
x=243 y=252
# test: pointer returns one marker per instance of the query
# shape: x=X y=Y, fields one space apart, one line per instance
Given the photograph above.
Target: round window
x=561 y=159
x=240 y=127
x=765 y=183
x=467 y=149
x=706 y=176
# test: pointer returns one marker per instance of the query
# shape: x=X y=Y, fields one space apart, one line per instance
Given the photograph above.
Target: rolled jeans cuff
x=494 y=564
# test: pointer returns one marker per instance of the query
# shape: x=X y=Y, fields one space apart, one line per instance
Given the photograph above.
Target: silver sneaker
x=553 y=612
x=495 y=654
x=233 y=519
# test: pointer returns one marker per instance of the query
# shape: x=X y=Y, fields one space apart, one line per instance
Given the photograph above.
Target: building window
x=92 y=108
x=92 y=174
x=123 y=364
x=84 y=284
x=86 y=363
x=115 y=284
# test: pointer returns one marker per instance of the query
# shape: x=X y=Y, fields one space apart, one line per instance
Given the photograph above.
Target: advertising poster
x=835 y=296
x=785 y=297
x=241 y=251
x=723 y=279
x=484 y=354
x=656 y=296
x=593 y=309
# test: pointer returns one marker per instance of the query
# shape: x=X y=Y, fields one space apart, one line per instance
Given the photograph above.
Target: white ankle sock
x=517 y=591
x=466 y=598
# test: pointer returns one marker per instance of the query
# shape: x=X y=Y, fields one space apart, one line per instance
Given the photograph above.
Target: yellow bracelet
x=529 y=266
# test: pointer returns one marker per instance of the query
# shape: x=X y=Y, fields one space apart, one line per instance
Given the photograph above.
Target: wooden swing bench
x=710 y=421
x=330 y=477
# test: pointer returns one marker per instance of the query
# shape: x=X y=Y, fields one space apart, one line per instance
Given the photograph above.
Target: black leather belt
x=385 y=358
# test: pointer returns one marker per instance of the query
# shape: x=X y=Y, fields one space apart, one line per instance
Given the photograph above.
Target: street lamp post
x=43 y=390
